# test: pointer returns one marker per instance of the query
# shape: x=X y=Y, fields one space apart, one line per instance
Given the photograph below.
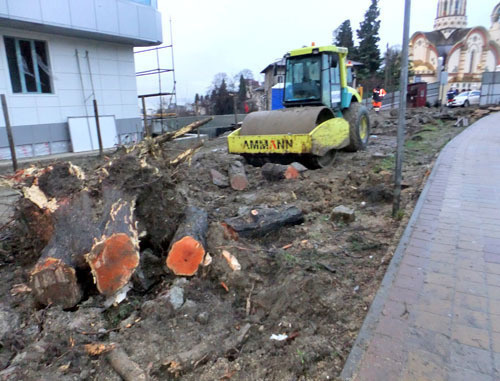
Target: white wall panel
x=108 y=67
x=25 y=9
x=3 y=7
x=129 y=97
x=127 y=67
x=83 y=14
x=22 y=101
x=107 y=16
x=22 y=116
x=147 y=22
x=128 y=19
x=110 y=82
x=47 y=101
x=56 y=12
x=111 y=97
x=128 y=83
x=47 y=115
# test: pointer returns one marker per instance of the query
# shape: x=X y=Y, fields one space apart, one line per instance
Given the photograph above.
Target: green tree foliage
x=392 y=68
x=368 y=36
x=343 y=36
x=223 y=100
x=242 y=94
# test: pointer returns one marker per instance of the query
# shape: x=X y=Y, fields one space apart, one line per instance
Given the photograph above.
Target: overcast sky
x=227 y=35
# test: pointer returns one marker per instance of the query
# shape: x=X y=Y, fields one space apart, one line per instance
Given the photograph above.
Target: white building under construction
x=57 y=56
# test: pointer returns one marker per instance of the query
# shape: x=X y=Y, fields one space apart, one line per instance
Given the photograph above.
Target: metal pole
x=98 y=125
x=145 y=116
x=402 y=110
x=96 y=110
x=9 y=132
x=173 y=70
x=235 y=110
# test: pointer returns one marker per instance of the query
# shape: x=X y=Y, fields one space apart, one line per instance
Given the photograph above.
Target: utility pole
x=402 y=110
x=9 y=132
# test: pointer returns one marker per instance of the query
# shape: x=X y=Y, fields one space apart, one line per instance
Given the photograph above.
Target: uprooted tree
x=87 y=225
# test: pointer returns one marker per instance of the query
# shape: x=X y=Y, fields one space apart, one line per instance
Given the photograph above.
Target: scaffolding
x=160 y=117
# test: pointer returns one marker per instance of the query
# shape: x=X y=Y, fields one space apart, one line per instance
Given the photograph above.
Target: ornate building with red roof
x=466 y=52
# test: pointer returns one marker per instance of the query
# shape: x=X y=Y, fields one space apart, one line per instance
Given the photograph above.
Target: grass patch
x=358 y=243
x=386 y=164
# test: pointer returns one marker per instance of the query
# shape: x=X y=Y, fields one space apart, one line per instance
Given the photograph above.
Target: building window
x=280 y=79
x=28 y=65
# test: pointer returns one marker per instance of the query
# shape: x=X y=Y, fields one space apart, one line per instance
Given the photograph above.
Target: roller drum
x=296 y=120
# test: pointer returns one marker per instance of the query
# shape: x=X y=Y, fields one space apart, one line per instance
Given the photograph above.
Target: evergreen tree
x=223 y=100
x=343 y=36
x=368 y=35
x=242 y=94
x=392 y=68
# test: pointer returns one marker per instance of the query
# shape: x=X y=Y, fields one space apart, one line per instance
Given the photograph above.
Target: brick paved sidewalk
x=436 y=315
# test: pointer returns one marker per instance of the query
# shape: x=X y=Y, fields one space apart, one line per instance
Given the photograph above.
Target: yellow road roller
x=321 y=114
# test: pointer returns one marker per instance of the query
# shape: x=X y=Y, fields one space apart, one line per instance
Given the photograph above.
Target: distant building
x=466 y=53
x=255 y=95
x=274 y=73
x=56 y=54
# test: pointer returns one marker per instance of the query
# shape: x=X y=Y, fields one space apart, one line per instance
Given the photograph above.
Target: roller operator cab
x=322 y=113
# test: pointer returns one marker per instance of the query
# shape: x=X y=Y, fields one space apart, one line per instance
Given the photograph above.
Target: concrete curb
x=370 y=323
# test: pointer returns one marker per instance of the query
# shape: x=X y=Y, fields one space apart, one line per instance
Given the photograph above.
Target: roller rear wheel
x=359 y=127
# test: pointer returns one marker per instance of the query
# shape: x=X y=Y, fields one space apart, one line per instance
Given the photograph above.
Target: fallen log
x=183 y=131
x=276 y=172
x=53 y=279
x=80 y=240
x=187 y=248
x=261 y=221
x=237 y=176
x=114 y=258
x=211 y=348
x=124 y=366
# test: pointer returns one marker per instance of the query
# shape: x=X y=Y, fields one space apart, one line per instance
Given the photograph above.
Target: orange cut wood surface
x=291 y=173
x=185 y=256
x=113 y=262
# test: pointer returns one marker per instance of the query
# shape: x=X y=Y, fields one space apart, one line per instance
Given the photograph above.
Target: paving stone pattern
x=437 y=314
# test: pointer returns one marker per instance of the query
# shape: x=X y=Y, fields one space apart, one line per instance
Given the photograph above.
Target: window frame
x=34 y=58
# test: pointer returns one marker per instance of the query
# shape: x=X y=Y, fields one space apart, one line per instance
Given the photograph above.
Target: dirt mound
x=284 y=305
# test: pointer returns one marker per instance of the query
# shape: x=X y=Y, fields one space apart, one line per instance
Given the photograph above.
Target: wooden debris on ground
x=231 y=260
x=276 y=172
x=261 y=221
x=211 y=348
x=187 y=248
x=181 y=132
x=237 y=176
x=124 y=366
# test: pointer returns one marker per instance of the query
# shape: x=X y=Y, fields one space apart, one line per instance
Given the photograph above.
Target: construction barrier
x=490 y=89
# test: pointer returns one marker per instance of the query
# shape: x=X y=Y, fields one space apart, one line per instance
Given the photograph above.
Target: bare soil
x=312 y=282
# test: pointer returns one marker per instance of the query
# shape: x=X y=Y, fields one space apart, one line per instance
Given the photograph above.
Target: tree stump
x=237 y=176
x=187 y=248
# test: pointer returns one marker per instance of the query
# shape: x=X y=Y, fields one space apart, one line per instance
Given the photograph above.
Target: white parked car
x=466 y=99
